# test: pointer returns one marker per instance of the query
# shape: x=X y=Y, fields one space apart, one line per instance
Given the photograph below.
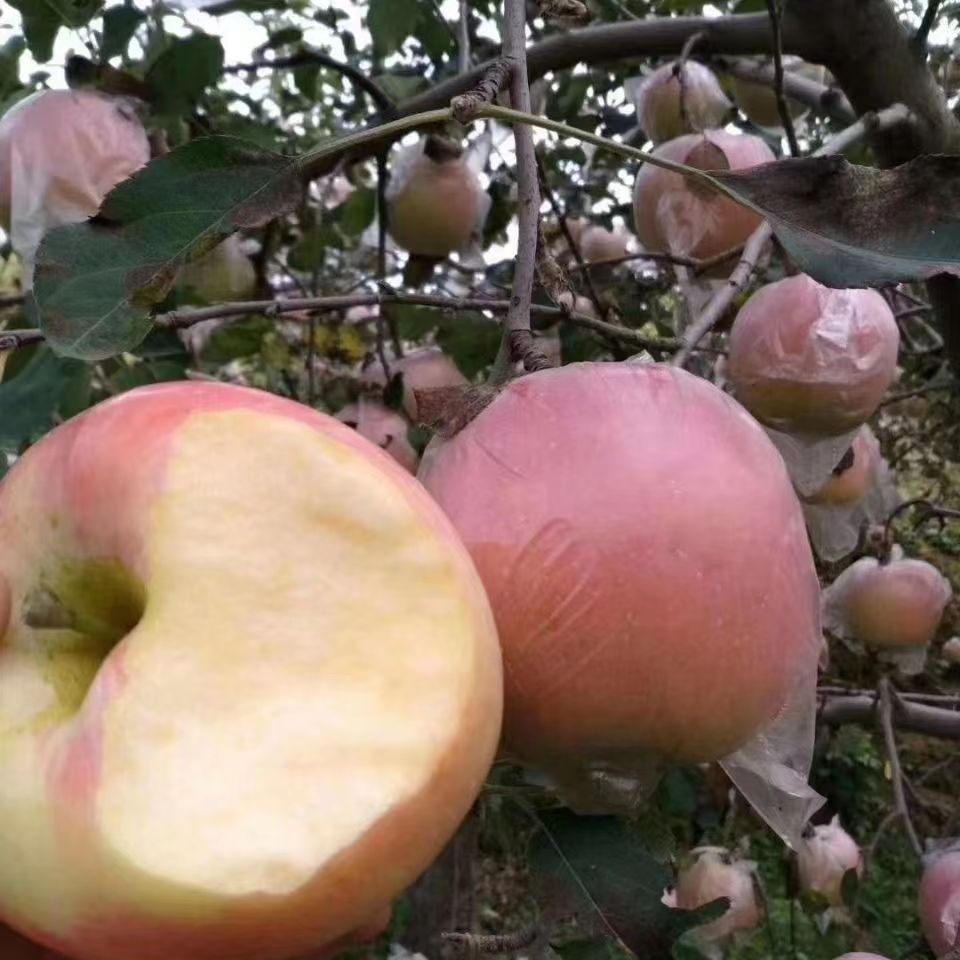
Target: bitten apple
x=580 y=493
x=249 y=680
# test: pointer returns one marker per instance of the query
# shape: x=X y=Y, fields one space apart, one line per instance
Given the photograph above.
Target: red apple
x=890 y=605
x=940 y=902
x=661 y=112
x=61 y=153
x=434 y=203
x=823 y=859
x=631 y=597
x=249 y=680
x=854 y=477
x=710 y=874
x=810 y=360
x=674 y=215
x=423 y=369
x=381 y=426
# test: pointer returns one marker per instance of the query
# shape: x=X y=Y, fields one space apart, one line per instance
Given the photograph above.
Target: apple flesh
x=823 y=859
x=810 y=360
x=940 y=902
x=249 y=680
x=579 y=492
x=434 y=205
x=712 y=874
x=674 y=100
x=673 y=215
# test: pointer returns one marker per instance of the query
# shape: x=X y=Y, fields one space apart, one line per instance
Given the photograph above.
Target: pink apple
x=823 y=859
x=423 y=369
x=580 y=493
x=940 y=902
x=674 y=100
x=249 y=680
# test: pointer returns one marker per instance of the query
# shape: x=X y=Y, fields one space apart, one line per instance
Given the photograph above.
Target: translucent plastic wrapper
x=713 y=873
x=643 y=551
x=892 y=608
x=657 y=98
x=861 y=495
x=61 y=153
x=824 y=858
x=810 y=361
x=673 y=215
x=436 y=201
x=940 y=896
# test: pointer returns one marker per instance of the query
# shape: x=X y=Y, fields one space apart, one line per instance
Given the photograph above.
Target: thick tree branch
x=818 y=96
x=911 y=717
x=926 y=25
x=517 y=342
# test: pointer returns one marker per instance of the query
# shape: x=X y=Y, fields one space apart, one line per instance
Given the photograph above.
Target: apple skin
x=381 y=426
x=658 y=101
x=434 y=206
x=579 y=492
x=940 y=902
x=674 y=216
x=424 y=369
x=810 y=360
x=888 y=606
x=852 y=485
x=825 y=857
x=598 y=244
x=241 y=775
x=15 y=947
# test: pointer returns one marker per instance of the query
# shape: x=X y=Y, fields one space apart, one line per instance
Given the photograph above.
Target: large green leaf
x=604 y=874
x=119 y=25
x=96 y=282
x=390 y=23
x=855 y=226
x=42 y=20
x=181 y=74
x=45 y=390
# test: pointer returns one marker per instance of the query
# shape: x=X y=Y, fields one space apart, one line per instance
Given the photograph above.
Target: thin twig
x=382 y=215
x=463 y=38
x=896 y=774
x=356 y=76
x=680 y=71
x=914 y=717
x=926 y=25
x=15 y=339
x=516 y=324
x=919 y=391
x=494 y=943
x=12 y=301
x=926 y=511
x=773 y=9
x=693 y=263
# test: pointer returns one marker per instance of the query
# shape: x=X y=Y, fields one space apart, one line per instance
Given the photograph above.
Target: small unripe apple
x=249 y=681
x=226 y=273
x=854 y=476
x=823 y=859
x=887 y=606
x=61 y=153
x=668 y=106
x=423 y=369
x=434 y=201
x=580 y=494
x=759 y=102
x=383 y=427
x=810 y=360
x=712 y=873
x=674 y=215
x=940 y=901
x=598 y=244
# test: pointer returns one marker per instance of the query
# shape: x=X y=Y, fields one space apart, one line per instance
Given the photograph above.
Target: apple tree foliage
x=264 y=145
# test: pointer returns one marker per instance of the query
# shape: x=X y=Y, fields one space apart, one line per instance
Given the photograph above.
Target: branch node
x=466 y=106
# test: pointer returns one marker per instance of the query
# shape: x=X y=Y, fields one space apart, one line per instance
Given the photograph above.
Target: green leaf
x=96 y=282
x=357 y=213
x=10 y=64
x=184 y=70
x=309 y=251
x=598 y=871
x=434 y=33
x=284 y=36
x=390 y=22
x=42 y=20
x=413 y=322
x=471 y=342
x=119 y=26
x=853 y=226
x=45 y=390
x=236 y=340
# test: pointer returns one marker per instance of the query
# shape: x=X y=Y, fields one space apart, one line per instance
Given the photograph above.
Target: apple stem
x=44 y=610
